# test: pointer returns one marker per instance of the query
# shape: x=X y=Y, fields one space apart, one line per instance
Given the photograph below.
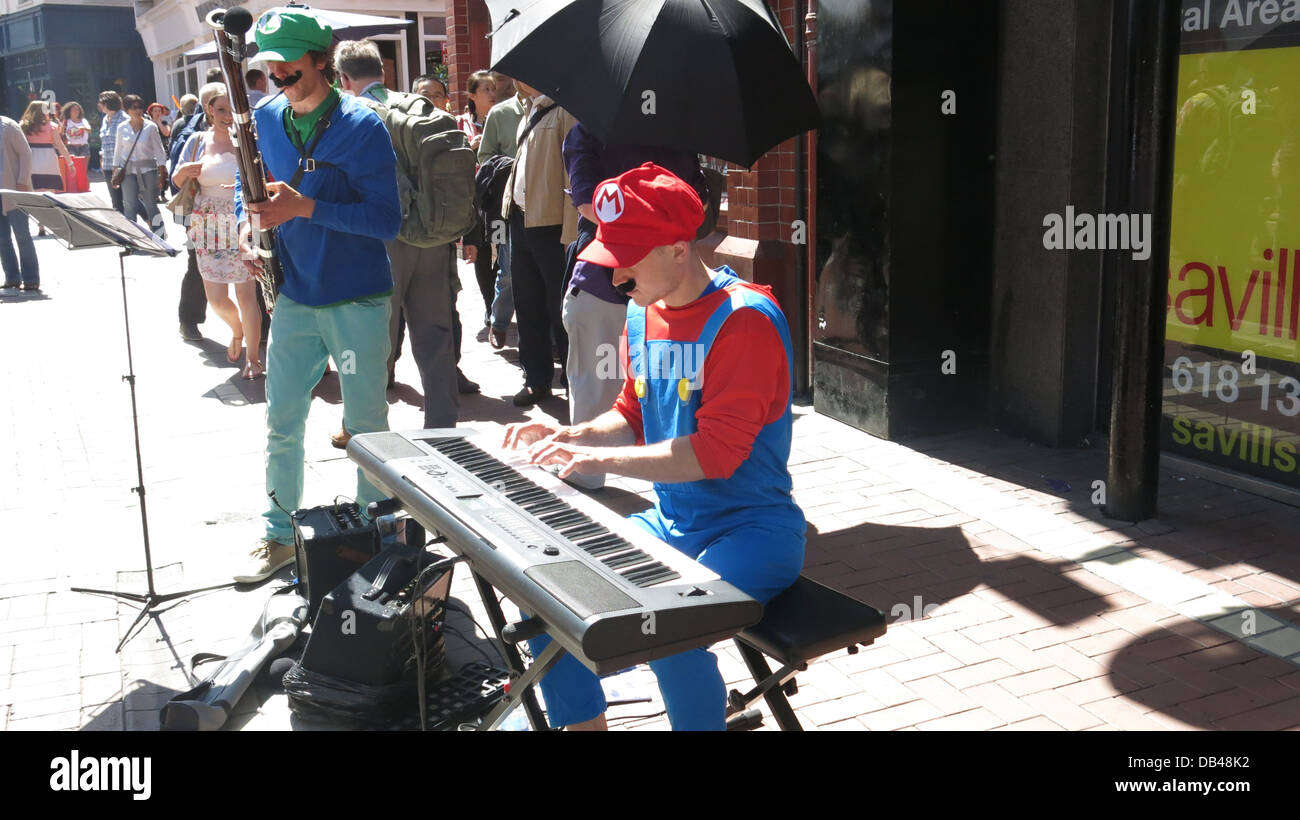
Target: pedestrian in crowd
x=505 y=86
x=158 y=114
x=76 y=131
x=193 y=305
x=255 y=82
x=482 y=96
x=140 y=153
x=331 y=225
x=49 y=154
x=422 y=277
x=433 y=89
x=500 y=129
x=110 y=106
x=55 y=111
x=542 y=222
x=210 y=158
x=21 y=268
x=189 y=102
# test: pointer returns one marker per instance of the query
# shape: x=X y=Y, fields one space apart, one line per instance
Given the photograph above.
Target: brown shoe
x=341 y=438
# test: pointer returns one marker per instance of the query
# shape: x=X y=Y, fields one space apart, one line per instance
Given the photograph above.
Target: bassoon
x=229 y=27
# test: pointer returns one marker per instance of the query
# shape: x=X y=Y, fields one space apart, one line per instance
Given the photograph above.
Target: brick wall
x=467 y=49
x=761 y=202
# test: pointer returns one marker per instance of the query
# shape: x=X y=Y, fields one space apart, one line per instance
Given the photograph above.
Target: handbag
x=119 y=173
x=183 y=201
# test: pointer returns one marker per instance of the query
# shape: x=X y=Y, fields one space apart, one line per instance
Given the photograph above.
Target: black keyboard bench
x=803 y=623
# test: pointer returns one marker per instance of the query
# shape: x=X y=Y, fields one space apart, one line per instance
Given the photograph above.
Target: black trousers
x=537 y=268
x=193 y=308
x=486 y=274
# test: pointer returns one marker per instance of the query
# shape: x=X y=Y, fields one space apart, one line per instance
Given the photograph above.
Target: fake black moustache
x=627 y=287
x=287 y=81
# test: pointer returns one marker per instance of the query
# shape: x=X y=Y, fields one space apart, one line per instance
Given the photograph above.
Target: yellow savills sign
x=1234 y=261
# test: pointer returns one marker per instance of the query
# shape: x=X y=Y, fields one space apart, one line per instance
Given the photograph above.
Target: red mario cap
x=639 y=210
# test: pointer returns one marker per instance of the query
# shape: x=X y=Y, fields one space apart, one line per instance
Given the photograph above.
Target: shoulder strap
x=305 y=161
x=132 y=151
x=532 y=122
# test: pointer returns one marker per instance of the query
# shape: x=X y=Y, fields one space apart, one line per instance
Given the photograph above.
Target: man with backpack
x=435 y=175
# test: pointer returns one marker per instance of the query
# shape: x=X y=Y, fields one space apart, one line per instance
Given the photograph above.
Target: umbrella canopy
x=712 y=76
x=346 y=25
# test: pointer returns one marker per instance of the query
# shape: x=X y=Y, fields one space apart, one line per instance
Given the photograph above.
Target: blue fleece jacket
x=337 y=254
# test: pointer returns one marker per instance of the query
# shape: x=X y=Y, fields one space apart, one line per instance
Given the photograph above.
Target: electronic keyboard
x=607 y=591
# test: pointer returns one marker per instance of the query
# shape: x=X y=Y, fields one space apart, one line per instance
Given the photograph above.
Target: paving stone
x=1030 y=682
x=31 y=707
x=142 y=721
x=1061 y=711
x=897 y=717
x=105 y=717
x=974 y=720
x=884 y=687
x=60 y=721
x=1034 y=724
x=921 y=667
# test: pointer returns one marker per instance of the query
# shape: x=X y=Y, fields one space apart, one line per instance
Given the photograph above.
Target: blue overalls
x=746 y=528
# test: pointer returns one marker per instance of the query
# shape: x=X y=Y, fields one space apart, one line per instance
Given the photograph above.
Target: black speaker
x=363 y=631
x=330 y=544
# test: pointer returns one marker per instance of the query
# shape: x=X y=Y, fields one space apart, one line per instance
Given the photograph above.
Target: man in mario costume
x=704 y=414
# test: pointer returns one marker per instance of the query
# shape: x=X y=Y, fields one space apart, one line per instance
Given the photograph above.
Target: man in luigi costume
x=334 y=203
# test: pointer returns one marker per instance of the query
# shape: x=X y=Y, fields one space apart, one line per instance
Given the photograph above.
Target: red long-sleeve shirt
x=746 y=382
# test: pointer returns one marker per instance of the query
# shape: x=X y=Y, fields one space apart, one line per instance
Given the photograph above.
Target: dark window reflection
x=854 y=64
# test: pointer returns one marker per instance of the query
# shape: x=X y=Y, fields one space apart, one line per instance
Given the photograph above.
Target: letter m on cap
x=609 y=202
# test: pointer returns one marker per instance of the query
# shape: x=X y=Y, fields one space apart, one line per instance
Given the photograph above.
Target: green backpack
x=435 y=170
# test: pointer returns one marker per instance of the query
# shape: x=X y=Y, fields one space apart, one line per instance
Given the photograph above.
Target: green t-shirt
x=299 y=128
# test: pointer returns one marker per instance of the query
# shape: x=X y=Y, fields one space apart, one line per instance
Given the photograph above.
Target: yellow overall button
x=684 y=389
x=639 y=386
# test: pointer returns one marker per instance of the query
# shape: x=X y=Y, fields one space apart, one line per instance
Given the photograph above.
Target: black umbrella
x=716 y=77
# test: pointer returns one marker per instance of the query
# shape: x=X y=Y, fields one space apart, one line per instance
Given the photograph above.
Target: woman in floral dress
x=209 y=156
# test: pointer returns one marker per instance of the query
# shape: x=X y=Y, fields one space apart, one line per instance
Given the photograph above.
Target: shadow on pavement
x=1223 y=684
x=1213 y=527
x=909 y=572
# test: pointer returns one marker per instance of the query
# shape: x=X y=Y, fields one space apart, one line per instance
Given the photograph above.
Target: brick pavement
x=1015 y=604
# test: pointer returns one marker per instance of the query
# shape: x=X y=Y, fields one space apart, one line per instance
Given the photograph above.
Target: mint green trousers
x=303 y=339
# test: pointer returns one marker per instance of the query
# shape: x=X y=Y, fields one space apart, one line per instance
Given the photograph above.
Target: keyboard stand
x=521 y=688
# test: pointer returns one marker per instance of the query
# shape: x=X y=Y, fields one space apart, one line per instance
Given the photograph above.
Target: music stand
x=83 y=221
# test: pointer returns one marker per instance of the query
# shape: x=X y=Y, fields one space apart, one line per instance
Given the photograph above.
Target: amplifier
x=363 y=630
x=330 y=544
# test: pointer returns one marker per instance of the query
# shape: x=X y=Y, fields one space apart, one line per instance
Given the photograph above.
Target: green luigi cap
x=284 y=35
